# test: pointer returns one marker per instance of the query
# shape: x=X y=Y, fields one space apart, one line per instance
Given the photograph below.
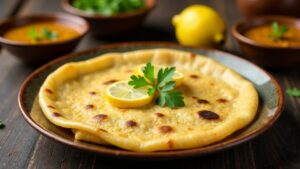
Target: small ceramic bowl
x=36 y=54
x=112 y=26
x=263 y=55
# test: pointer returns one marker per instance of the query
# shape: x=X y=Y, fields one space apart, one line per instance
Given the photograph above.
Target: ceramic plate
x=271 y=102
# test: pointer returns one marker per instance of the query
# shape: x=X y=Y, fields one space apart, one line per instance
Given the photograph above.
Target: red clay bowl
x=263 y=55
x=36 y=54
x=112 y=26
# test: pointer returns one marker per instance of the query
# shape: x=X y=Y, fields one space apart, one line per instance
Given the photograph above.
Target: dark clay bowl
x=269 y=7
x=36 y=54
x=112 y=26
x=263 y=55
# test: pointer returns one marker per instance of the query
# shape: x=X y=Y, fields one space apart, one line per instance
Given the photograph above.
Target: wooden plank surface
x=22 y=147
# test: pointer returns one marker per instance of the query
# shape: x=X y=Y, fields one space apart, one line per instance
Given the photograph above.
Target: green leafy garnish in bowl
x=49 y=34
x=278 y=31
x=108 y=7
x=295 y=92
x=45 y=33
x=164 y=85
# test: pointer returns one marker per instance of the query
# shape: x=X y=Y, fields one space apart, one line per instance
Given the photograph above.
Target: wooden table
x=23 y=147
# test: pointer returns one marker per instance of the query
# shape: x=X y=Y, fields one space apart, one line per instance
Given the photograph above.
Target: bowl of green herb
x=270 y=41
x=110 y=18
x=39 y=38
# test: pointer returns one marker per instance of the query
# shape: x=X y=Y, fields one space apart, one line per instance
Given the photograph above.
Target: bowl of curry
x=269 y=41
x=39 y=38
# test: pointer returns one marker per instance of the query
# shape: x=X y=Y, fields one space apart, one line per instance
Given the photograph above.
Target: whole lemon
x=199 y=25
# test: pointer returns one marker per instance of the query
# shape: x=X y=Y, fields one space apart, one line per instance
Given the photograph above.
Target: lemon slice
x=177 y=77
x=122 y=95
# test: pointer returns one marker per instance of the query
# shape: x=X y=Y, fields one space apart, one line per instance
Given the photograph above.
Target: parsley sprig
x=2 y=125
x=48 y=34
x=164 y=85
x=278 y=31
x=293 y=92
x=45 y=33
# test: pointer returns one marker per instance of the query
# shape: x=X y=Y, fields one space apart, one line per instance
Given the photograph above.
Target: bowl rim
x=46 y=16
x=69 y=8
x=160 y=155
x=240 y=37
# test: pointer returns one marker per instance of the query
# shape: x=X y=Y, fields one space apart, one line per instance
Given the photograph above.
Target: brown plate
x=271 y=102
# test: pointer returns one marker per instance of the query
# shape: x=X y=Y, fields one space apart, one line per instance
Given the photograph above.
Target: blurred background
x=21 y=145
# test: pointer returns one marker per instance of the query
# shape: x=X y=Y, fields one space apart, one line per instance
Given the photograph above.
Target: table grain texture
x=23 y=147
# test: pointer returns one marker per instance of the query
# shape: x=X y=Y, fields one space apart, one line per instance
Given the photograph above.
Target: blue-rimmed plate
x=270 y=107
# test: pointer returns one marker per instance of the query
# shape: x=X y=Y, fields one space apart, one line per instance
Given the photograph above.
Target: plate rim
x=173 y=154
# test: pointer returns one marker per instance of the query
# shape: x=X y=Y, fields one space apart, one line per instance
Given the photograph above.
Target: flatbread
x=218 y=102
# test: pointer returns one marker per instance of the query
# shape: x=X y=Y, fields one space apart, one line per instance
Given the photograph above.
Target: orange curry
x=261 y=34
x=41 y=33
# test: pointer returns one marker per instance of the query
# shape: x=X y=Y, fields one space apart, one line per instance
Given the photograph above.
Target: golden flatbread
x=218 y=102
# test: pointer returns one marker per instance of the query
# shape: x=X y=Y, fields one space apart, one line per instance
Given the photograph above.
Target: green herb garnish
x=2 y=125
x=45 y=33
x=278 y=31
x=49 y=34
x=293 y=92
x=164 y=85
x=33 y=34
x=108 y=7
